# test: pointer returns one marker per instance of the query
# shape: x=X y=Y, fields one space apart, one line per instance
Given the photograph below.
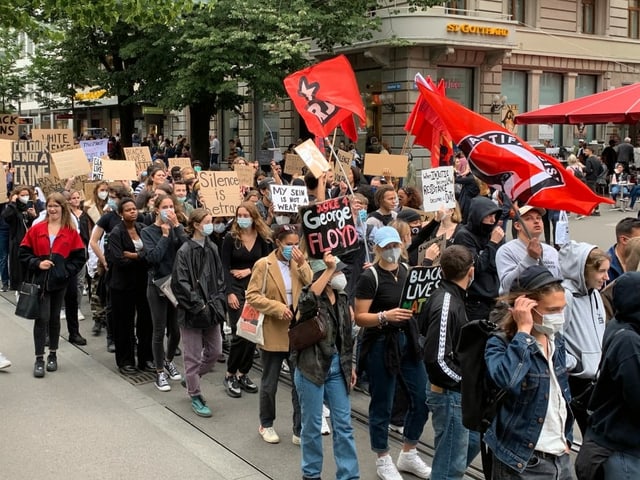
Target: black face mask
x=486 y=229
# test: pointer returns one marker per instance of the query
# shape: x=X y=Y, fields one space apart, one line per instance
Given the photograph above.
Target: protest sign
x=313 y=158
x=329 y=226
x=9 y=126
x=345 y=159
x=88 y=188
x=246 y=175
x=181 y=162
x=293 y=164
x=54 y=183
x=438 y=189
x=220 y=192
x=423 y=247
x=70 y=163
x=385 y=164
x=140 y=155
x=96 y=167
x=418 y=287
x=95 y=148
x=6 y=150
x=58 y=138
x=4 y=195
x=287 y=198
x=32 y=160
x=118 y=170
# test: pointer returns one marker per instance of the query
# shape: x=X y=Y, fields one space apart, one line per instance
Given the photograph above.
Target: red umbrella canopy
x=620 y=105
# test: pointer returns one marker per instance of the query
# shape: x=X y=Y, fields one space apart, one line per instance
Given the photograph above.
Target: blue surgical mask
x=163 y=215
x=287 y=251
x=207 y=229
x=182 y=199
x=219 y=227
x=112 y=203
x=197 y=168
x=245 y=222
x=362 y=215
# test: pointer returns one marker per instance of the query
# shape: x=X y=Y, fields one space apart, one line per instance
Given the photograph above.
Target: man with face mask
x=482 y=236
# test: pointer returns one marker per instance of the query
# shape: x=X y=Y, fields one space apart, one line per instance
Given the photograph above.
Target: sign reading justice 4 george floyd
x=329 y=226
x=418 y=287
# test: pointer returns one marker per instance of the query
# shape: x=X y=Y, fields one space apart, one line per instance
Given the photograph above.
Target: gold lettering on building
x=477 y=29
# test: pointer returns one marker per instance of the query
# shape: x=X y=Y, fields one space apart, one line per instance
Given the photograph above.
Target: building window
x=634 y=19
x=455 y=7
x=516 y=10
x=588 y=16
x=458 y=82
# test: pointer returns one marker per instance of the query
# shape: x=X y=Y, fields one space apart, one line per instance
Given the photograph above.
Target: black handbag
x=307 y=333
x=29 y=297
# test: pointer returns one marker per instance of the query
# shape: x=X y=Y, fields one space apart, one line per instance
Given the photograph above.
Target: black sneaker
x=38 y=368
x=97 y=328
x=232 y=386
x=77 y=339
x=52 y=363
x=246 y=384
x=5 y=287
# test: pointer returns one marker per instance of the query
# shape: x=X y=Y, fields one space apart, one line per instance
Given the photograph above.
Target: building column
x=569 y=90
x=533 y=100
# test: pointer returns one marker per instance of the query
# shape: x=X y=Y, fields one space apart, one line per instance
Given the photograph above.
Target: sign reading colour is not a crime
x=32 y=160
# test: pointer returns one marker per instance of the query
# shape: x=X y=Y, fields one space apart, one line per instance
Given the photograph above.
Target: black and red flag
x=326 y=96
x=504 y=161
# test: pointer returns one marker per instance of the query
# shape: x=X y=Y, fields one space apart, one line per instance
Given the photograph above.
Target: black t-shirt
x=109 y=221
x=388 y=292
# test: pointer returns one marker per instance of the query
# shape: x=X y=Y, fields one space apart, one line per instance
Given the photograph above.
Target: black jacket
x=593 y=168
x=126 y=273
x=198 y=284
x=443 y=318
x=160 y=250
x=615 y=421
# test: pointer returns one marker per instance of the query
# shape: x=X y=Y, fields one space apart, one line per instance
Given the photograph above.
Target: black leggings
x=48 y=321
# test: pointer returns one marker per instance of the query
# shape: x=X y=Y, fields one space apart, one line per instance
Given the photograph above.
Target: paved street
x=87 y=421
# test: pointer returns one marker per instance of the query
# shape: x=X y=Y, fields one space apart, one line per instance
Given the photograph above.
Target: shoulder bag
x=29 y=298
x=250 y=324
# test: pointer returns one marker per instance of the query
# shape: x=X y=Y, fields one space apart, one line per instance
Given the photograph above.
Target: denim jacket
x=520 y=367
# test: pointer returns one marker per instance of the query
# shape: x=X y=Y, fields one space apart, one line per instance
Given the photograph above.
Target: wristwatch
x=382 y=319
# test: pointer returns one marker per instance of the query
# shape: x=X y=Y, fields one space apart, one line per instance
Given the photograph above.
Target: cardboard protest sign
x=70 y=163
x=54 y=183
x=95 y=148
x=313 y=158
x=379 y=164
x=345 y=159
x=179 y=162
x=418 y=287
x=6 y=150
x=58 y=138
x=32 y=160
x=293 y=164
x=96 y=167
x=329 y=226
x=9 y=126
x=287 y=198
x=246 y=175
x=423 y=247
x=438 y=189
x=220 y=192
x=4 y=195
x=88 y=188
x=119 y=170
x=140 y=155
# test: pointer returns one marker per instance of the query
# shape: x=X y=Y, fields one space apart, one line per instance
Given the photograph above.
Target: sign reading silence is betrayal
x=418 y=287
x=220 y=192
x=32 y=160
x=329 y=226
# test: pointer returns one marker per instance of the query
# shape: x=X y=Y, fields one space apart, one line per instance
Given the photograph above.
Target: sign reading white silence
x=287 y=198
x=438 y=189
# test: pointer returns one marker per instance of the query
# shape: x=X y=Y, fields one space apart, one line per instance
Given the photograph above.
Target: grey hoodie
x=584 y=315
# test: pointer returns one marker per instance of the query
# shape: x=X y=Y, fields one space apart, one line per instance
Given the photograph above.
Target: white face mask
x=283 y=219
x=391 y=255
x=24 y=199
x=103 y=195
x=339 y=282
x=551 y=323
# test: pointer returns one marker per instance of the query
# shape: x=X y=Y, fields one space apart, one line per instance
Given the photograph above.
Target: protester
x=626 y=229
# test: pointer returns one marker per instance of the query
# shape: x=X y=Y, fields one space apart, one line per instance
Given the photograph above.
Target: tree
x=12 y=86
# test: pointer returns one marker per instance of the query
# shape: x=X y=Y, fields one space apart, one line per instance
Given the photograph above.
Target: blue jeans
x=538 y=468
x=455 y=446
x=615 y=190
x=334 y=392
x=622 y=466
x=382 y=386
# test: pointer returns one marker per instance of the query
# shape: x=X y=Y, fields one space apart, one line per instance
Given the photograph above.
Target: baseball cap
x=532 y=278
x=386 y=235
x=528 y=208
x=265 y=183
x=408 y=215
x=318 y=266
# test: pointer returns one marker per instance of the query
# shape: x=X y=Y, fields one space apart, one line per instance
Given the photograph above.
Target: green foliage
x=11 y=81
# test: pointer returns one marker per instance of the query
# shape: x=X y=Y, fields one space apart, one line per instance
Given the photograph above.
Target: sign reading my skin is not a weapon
x=438 y=189
x=220 y=192
x=287 y=198
x=32 y=160
x=329 y=226
x=418 y=287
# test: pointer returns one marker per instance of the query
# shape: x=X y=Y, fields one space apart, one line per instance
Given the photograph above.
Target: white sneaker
x=386 y=470
x=325 y=411
x=295 y=439
x=4 y=361
x=80 y=315
x=396 y=428
x=410 y=462
x=63 y=314
x=325 y=430
x=285 y=366
x=269 y=434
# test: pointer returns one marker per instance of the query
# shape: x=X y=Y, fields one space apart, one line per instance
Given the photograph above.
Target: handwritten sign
x=385 y=164
x=329 y=226
x=6 y=150
x=95 y=148
x=287 y=198
x=32 y=160
x=313 y=158
x=418 y=287
x=220 y=192
x=140 y=155
x=96 y=167
x=181 y=162
x=438 y=189
x=71 y=163
x=118 y=170
x=245 y=175
x=53 y=183
x=293 y=164
x=9 y=126
x=345 y=159
x=423 y=247
x=58 y=138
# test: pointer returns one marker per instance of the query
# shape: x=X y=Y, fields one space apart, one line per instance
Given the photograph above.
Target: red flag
x=326 y=95
x=426 y=126
x=506 y=162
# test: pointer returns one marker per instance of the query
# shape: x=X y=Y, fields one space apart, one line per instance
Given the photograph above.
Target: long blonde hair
x=258 y=223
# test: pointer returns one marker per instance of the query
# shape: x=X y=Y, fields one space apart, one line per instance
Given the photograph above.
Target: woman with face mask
x=391 y=353
x=531 y=434
x=324 y=371
x=283 y=273
x=248 y=240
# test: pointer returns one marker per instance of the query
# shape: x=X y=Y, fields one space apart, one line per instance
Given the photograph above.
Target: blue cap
x=386 y=235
